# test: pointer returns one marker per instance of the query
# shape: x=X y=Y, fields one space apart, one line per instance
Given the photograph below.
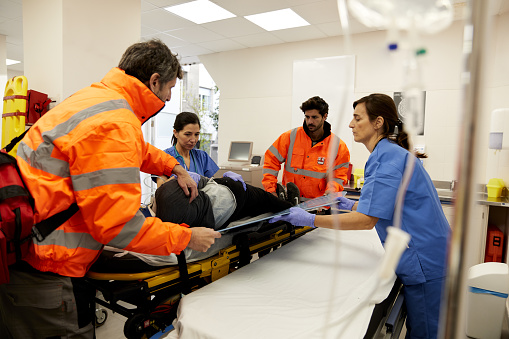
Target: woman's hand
x=297 y=217
x=236 y=177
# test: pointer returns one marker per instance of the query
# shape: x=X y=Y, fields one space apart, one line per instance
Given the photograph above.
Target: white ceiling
x=191 y=40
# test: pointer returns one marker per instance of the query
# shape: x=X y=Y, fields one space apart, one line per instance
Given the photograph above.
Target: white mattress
x=293 y=292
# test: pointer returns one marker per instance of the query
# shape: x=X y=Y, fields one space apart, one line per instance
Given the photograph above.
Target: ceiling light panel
x=200 y=11
x=11 y=62
x=276 y=20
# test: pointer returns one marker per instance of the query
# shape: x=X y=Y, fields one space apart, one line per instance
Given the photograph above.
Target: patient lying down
x=220 y=203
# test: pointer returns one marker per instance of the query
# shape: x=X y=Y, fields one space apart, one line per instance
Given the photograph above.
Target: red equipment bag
x=17 y=227
x=16 y=215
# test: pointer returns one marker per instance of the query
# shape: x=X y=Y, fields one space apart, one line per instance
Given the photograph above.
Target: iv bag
x=426 y=16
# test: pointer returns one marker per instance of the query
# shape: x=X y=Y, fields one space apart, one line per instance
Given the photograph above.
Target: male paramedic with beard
x=305 y=154
x=89 y=150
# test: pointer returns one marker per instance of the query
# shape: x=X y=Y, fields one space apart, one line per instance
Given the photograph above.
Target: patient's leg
x=253 y=201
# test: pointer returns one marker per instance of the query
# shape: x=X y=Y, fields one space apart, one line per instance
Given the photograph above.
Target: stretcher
x=148 y=295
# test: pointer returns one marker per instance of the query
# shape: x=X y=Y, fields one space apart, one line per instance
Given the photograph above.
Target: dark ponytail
x=381 y=105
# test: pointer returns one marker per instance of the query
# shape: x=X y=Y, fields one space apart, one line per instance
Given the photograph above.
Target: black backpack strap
x=41 y=230
x=14 y=141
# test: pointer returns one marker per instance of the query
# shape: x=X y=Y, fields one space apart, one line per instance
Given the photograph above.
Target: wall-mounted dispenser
x=499 y=130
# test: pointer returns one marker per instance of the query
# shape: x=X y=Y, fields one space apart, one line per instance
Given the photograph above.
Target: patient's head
x=173 y=206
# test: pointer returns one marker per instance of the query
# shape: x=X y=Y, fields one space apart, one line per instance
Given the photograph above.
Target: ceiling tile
x=166 y=3
x=16 y=51
x=13 y=29
x=256 y=40
x=243 y=8
x=190 y=50
x=147 y=6
x=318 y=12
x=195 y=34
x=163 y=20
x=234 y=27
x=299 y=34
x=148 y=31
x=11 y=9
x=330 y=28
x=169 y=40
x=222 y=45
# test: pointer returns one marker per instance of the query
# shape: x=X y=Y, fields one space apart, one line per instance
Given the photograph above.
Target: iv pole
x=454 y=300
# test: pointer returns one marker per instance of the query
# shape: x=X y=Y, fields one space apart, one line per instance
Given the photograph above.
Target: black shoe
x=280 y=191
x=293 y=193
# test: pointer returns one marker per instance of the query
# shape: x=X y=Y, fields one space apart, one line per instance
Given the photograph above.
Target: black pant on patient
x=173 y=206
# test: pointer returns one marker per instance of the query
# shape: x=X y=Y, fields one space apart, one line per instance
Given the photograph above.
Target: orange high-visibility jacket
x=90 y=149
x=306 y=165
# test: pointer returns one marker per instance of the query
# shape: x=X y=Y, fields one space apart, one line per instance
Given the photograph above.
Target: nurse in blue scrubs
x=422 y=267
x=186 y=133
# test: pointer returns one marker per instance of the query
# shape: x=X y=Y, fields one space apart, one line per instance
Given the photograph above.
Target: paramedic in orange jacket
x=90 y=149
x=305 y=153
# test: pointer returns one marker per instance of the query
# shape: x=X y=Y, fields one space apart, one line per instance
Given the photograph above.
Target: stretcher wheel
x=134 y=327
x=100 y=317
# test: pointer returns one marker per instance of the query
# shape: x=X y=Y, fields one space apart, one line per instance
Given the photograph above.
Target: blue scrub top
x=423 y=217
x=201 y=163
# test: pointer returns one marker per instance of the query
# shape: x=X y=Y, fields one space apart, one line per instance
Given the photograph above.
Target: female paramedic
x=423 y=264
x=186 y=132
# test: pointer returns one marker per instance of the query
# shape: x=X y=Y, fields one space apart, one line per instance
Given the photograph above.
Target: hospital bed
x=149 y=296
x=315 y=287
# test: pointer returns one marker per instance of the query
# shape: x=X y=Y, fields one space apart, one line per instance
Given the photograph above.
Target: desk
x=291 y=292
x=251 y=175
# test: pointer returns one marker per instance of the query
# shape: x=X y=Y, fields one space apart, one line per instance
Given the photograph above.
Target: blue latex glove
x=236 y=177
x=195 y=176
x=345 y=203
x=297 y=217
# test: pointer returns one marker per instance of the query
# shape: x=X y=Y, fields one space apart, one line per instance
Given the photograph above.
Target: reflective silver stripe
x=310 y=174
x=345 y=164
x=129 y=231
x=71 y=240
x=108 y=176
x=41 y=158
x=293 y=135
x=270 y=171
x=276 y=154
x=338 y=180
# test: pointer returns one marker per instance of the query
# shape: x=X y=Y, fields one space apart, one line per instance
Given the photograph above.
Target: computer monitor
x=240 y=151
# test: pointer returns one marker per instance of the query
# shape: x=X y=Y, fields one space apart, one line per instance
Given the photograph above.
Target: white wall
x=256 y=89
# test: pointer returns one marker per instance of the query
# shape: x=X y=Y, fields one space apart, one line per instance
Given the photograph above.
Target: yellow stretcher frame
x=14 y=110
x=140 y=323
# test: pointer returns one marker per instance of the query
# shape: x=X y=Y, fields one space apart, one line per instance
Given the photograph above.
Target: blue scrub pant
x=422 y=302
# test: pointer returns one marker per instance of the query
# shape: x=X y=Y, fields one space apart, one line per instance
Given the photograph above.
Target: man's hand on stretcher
x=202 y=238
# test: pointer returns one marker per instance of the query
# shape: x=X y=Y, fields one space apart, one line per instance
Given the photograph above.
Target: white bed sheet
x=293 y=292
